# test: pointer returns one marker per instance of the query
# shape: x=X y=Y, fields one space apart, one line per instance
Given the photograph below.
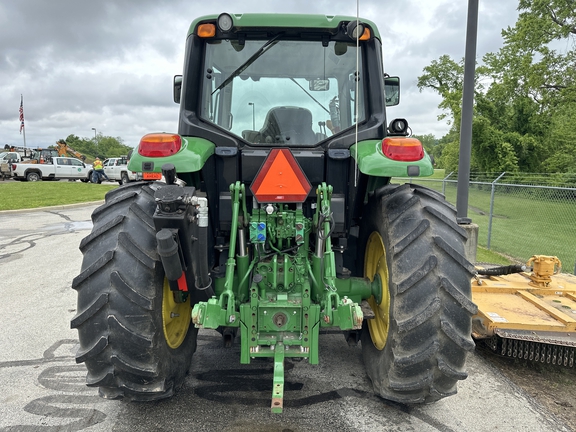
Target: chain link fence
x=519 y=214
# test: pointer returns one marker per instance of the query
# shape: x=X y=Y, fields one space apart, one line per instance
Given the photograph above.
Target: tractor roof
x=268 y=21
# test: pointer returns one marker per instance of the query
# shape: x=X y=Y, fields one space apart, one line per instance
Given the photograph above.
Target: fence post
x=492 y=209
x=444 y=183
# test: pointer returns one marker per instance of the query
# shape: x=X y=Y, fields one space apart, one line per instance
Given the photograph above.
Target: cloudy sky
x=104 y=64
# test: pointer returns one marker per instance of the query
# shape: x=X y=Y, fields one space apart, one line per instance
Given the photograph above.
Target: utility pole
x=467 y=114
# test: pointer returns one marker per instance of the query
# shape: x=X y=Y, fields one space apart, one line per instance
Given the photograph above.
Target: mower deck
x=524 y=318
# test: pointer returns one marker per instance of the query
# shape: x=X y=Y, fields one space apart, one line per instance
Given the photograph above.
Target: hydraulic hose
x=503 y=270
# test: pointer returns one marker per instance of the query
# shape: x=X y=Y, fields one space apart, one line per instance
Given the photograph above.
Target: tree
x=562 y=142
x=523 y=120
x=450 y=146
x=532 y=62
x=103 y=147
x=111 y=147
x=446 y=77
x=429 y=141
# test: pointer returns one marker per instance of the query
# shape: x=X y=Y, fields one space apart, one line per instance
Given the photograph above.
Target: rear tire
x=415 y=348
x=136 y=340
x=124 y=179
x=33 y=177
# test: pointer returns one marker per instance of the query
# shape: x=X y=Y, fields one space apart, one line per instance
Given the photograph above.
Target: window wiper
x=248 y=62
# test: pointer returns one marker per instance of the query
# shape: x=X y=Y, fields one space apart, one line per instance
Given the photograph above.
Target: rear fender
x=190 y=158
x=372 y=162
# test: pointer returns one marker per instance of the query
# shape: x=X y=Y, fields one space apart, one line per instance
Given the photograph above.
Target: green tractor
x=271 y=216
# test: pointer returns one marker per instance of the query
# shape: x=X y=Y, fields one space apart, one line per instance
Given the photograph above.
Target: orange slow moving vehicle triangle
x=280 y=179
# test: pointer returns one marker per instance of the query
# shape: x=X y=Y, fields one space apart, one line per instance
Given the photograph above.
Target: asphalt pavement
x=42 y=388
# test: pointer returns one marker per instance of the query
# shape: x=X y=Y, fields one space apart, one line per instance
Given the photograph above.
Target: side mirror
x=177 y=88
x=319 y=84
x=392 y=90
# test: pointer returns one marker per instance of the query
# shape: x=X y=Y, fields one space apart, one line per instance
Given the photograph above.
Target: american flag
x=21 y=114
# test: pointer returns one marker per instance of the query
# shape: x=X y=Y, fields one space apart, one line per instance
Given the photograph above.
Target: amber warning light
x=280 y=179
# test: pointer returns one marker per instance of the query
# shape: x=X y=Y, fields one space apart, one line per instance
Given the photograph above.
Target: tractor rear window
x=282 y=91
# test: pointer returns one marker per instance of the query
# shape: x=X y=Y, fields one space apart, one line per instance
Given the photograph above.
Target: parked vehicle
x=10 y=157
x=117 y=169
x=60 y=168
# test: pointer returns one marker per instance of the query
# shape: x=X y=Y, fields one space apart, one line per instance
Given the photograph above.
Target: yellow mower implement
x=530 y=314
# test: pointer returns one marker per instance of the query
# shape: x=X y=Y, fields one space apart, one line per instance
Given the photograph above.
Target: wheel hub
x=375 y=264
x=176 y=316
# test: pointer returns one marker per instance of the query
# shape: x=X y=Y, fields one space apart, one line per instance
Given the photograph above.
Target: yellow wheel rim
x=175 y=317
x=375 y=264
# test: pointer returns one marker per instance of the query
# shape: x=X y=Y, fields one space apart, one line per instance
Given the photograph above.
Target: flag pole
x=24 y=135
x=22 y=128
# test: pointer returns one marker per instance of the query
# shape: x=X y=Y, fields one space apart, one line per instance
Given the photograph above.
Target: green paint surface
x=191 y=157
x=371 y=161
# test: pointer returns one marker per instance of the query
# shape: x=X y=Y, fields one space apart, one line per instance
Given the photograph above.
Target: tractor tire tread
x=418 y=357
x=148 y=258
x=91 y=310
x=430 y=295
x=448 y=222
x=120 y=291
x=105 y=378
x=121 y=329
x=410 y=237
x=130 y=293
x=93 y=350
x=419 y=317
x=101 y=230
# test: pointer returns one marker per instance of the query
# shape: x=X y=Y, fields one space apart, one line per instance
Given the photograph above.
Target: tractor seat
x=288 y=125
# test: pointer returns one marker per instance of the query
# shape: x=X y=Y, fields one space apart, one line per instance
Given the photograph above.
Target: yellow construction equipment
x=64 y=149
x=527 y=313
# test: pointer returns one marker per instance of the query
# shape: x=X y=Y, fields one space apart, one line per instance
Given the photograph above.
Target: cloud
x=109 y=64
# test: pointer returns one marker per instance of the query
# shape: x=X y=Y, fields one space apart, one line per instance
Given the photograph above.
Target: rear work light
x=402 y=149
x=356 y=29
x=159 y=145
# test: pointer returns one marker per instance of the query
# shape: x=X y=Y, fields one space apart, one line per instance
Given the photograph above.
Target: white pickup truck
x=60 y=168
x=117 y=170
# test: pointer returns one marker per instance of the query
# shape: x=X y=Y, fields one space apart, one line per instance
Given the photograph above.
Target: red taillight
x=159 y=145
x=402 y=149
x=280 y=179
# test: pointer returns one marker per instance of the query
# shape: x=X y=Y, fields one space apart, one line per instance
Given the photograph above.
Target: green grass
x=526 y=221
x=438 y=174
x=484 y=255
x=28 y=195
